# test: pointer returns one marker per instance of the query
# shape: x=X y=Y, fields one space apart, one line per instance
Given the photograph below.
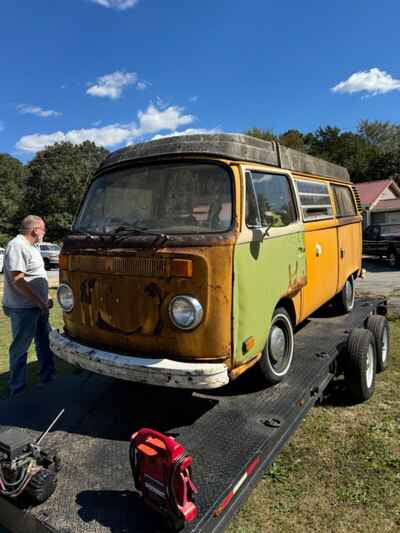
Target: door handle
x=342 y=253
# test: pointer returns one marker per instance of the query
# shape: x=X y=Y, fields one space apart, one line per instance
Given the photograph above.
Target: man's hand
x=44 y=307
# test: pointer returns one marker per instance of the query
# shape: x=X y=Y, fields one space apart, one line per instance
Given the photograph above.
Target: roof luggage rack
x=233 y=146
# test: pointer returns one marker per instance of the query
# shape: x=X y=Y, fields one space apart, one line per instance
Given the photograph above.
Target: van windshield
x=170 y=198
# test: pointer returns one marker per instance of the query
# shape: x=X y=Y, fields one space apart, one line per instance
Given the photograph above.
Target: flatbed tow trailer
x=233 y=434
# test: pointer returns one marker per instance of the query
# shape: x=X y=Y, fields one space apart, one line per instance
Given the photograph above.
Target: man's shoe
x=46 y=381
x=16 y=393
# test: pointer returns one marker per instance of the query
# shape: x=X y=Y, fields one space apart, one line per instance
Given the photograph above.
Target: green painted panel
x=263 y=273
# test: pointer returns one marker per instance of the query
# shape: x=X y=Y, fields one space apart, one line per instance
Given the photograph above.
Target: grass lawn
x=339 y=473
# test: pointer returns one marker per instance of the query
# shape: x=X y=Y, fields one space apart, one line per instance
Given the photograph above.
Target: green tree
x=382 y=135
x=12 y=184
x=293 y=139
x=56 y=182
x=266 y=135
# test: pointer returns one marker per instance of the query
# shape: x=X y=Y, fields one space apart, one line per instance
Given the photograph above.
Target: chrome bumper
x=163 y=372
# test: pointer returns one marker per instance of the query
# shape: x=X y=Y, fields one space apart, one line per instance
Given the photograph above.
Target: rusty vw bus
x=193 y=258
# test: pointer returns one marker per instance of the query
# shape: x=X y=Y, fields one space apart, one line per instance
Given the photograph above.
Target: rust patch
x=295 y=283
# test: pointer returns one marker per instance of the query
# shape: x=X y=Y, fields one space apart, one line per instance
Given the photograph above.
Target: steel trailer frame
x=233 y=433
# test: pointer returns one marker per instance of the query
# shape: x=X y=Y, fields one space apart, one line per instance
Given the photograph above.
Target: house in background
x=380 y=201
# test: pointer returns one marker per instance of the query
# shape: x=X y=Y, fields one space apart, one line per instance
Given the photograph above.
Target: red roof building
x=381 y=203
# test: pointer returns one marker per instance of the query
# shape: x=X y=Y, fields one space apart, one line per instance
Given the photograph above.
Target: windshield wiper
x=127 y=230
x=84 y=232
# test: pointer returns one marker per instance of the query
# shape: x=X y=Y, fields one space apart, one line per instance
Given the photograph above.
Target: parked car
x=2 y=252
x=382 y=242
x=50 y=253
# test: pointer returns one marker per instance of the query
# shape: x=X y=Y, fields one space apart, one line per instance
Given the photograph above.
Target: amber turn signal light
x=248 y=344
x=182 y=268
x=63 y=262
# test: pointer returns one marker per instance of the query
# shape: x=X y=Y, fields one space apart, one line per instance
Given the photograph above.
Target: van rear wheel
x=277 y=355
x=344 y=301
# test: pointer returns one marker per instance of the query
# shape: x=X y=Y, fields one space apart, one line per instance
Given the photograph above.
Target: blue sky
x=122 y=71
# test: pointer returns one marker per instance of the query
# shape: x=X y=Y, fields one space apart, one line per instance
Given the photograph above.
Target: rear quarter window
x=345 y=206
x=315 y=200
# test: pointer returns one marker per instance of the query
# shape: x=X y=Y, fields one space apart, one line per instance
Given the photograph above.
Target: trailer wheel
x=41 y=486
x=278 y=352
x=360 y=367
x=344 y=301
x=379 y=327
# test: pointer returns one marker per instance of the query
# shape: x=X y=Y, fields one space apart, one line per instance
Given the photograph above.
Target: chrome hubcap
x=392 y=259
x=349 y=293
x=370 y=366
x=384 y=345
x=277 y=344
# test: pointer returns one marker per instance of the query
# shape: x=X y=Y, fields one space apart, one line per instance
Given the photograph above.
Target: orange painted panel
x=322 y=265
x=350 y=250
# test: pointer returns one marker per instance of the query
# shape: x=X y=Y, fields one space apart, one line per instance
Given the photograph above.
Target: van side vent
x=358 y=200
x=141 y=266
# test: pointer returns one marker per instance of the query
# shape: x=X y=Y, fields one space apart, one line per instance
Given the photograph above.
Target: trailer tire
x=379 y=327
x=344 y=301
x=360 y=364
x=277 y=354
x=41 y=486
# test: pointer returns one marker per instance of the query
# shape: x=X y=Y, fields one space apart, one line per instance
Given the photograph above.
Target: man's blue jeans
x=28 y=325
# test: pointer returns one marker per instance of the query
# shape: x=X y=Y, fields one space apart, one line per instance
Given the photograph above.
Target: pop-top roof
x=230 y=146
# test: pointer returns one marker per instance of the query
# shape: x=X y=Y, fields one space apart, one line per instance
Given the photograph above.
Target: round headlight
x=65 y=297
x=185 y=312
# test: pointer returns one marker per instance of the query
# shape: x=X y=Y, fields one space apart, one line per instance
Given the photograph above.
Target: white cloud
x=373 y=81
x=141 y=85
x=153 y=119
x=121 y=5
x=150 y=121
x=112 y=85
x=189 y=131
x=38 y=111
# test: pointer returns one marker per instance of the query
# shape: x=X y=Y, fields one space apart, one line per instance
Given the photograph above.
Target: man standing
x=26 y=302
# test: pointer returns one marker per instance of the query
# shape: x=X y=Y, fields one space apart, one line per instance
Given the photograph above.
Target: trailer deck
x=233 y=433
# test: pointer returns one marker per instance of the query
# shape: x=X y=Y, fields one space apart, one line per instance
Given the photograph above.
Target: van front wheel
x=278 y=352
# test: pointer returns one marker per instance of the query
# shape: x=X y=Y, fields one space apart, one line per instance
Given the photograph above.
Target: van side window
x=344 y=201
x=252 y=213
x=274 y=199
x=314 y=199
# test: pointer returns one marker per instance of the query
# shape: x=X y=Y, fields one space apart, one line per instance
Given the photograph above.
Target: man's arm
x=18 y=279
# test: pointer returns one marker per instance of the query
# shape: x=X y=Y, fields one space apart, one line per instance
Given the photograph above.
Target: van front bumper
x=163 y=372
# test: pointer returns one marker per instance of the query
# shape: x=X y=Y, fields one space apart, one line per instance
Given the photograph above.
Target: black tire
x=275 y=361
x=41 y=486
x=393 y=258
x=344 y=301
x=379 y=327
x=46 y=264
x=360 y=364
